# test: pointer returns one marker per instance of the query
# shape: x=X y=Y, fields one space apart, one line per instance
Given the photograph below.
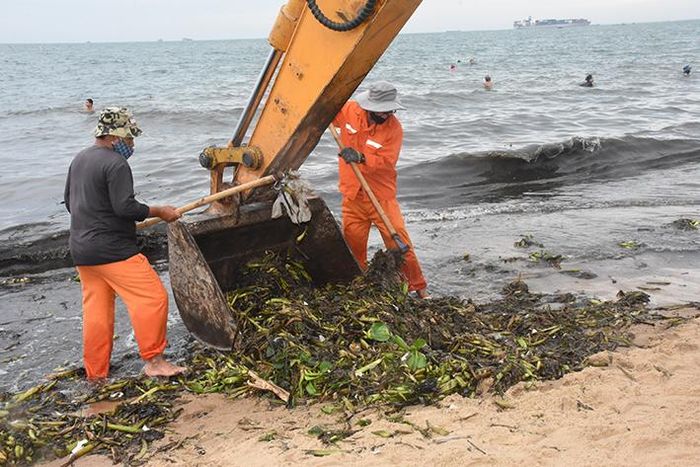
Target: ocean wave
x=188 y=113
x=72 y=109
x=196 y=112
x=505 y=173
x=530 y=208
x=537 y=153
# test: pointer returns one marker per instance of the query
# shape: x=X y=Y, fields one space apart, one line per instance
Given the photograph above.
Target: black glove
x=350 y=155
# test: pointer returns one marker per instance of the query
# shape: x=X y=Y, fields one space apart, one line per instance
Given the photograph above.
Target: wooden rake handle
x=215 y=197
x=403 y=248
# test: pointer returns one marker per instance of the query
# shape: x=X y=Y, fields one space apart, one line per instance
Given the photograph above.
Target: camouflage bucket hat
x=117 y=121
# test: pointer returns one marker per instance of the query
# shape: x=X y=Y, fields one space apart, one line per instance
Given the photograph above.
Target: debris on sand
x=527 y=241
x=630 y=245
x=369 y=342
x=686 y=224
x=50 y=421
x=546 y=257
x=348 y=346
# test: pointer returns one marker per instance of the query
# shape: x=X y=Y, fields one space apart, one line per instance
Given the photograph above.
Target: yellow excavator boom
x=320 y=69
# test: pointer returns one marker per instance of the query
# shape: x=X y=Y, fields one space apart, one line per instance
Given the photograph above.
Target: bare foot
x=158 y=366
x=97 y=381
x=423 y=294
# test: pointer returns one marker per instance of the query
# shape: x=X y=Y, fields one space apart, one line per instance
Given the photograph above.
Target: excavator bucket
x=207 y=255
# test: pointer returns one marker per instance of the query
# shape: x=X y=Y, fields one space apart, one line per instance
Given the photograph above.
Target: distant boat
x=187 y=39
x=550 y=23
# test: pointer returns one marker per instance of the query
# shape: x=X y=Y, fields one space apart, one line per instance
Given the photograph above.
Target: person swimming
x=488 y=83
x=453 y=67
x=686 y=70
x=589 y=82
x=89 y=104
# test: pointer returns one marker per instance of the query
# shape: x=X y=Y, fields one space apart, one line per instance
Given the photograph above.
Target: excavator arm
x=317 y=67
x=321 y=52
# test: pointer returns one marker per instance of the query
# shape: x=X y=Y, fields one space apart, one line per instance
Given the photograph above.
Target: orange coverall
x=380 y=145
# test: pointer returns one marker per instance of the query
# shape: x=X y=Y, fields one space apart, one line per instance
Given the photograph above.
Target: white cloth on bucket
x=292 y=199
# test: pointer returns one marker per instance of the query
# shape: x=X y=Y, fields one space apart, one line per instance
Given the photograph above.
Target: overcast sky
x=147 y=20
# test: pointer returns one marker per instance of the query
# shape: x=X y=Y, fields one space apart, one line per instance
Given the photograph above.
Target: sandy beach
x=635 y=406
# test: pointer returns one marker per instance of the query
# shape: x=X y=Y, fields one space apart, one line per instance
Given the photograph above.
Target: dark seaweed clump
x=686 y=224
x=370 y=342
x=49 y=420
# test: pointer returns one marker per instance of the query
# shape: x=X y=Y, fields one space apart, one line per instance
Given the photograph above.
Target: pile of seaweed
x=66 y=417
x=367 y=342
x=370 y=342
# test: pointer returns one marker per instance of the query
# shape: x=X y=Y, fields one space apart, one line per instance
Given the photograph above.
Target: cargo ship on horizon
x=550 y=23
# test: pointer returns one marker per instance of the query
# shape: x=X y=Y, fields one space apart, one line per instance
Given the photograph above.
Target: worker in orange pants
x=99 y=195
x=359 y=215
x=146 y=300
x=372 y=137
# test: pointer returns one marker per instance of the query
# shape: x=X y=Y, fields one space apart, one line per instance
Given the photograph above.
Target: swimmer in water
x=686 y=70
x=89 y=103
x=488 y=83
x=588 y=83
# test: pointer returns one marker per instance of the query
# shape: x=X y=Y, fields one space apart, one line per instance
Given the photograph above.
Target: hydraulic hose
x=346 y=26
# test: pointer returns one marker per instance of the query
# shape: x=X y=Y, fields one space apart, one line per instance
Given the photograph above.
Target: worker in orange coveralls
x=99 y=195
x=372 y=138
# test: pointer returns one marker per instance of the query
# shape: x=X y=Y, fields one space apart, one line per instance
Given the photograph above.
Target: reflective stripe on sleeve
x=374 y=144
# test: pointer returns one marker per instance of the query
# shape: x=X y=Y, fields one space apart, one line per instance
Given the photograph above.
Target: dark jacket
x=99 y=195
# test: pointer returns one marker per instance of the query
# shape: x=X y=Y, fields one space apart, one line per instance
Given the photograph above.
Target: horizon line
x=189 y=39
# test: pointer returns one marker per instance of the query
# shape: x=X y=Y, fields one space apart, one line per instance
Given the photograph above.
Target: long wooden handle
x=375 y=202
x=211 y=198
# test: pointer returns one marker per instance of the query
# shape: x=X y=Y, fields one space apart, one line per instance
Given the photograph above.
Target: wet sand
x=636 y=406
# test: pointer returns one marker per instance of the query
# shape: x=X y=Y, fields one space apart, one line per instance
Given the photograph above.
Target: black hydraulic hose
x=346 y=26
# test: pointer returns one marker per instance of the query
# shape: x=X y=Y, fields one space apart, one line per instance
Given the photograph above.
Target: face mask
x=120 y=147
x=376 y=118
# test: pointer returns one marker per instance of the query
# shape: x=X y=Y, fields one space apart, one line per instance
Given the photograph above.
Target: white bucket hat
x=381 y=97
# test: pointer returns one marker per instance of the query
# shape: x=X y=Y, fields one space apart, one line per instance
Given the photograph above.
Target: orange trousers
x=358 y=217
x=141 y=290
